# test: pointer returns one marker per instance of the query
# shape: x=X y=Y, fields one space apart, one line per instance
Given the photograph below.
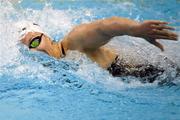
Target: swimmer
x=90 y=39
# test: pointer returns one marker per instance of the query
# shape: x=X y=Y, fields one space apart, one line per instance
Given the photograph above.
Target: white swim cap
x=26 y=26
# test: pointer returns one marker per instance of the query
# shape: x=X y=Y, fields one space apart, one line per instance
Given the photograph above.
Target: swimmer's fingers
x=157 y=44
x=163 y=34
x=160 y=27
x=163 y=37
x=157 y=22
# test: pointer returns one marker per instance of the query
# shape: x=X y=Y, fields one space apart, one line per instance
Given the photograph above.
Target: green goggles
x=35 y=42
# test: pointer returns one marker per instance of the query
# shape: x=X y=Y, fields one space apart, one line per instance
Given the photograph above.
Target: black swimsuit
x=147 y=73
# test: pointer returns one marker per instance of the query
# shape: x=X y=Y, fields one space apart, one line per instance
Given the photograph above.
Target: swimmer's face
x=43 y=43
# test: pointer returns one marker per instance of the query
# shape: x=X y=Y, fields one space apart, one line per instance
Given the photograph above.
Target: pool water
x=34 y=86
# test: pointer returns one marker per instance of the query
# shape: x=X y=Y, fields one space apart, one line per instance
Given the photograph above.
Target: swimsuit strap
x=63 y=51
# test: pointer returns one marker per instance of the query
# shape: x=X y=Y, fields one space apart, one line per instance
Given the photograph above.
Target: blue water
x=34 y=86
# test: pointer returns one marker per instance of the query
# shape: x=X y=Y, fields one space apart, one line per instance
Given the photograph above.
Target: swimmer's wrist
x=134 y=30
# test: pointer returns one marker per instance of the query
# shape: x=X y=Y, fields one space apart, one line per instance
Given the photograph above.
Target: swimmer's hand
x=152 y=30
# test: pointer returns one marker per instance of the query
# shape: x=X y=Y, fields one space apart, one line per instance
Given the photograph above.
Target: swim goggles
x=35 y=42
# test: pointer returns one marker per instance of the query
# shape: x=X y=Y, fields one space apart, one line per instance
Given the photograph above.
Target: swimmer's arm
x=149 y=30
x=91 y=36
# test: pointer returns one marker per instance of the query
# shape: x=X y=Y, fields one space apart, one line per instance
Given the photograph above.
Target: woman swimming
x=91 y=38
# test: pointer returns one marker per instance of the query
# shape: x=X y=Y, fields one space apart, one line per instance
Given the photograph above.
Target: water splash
x=17 y=61
x=37 y=86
